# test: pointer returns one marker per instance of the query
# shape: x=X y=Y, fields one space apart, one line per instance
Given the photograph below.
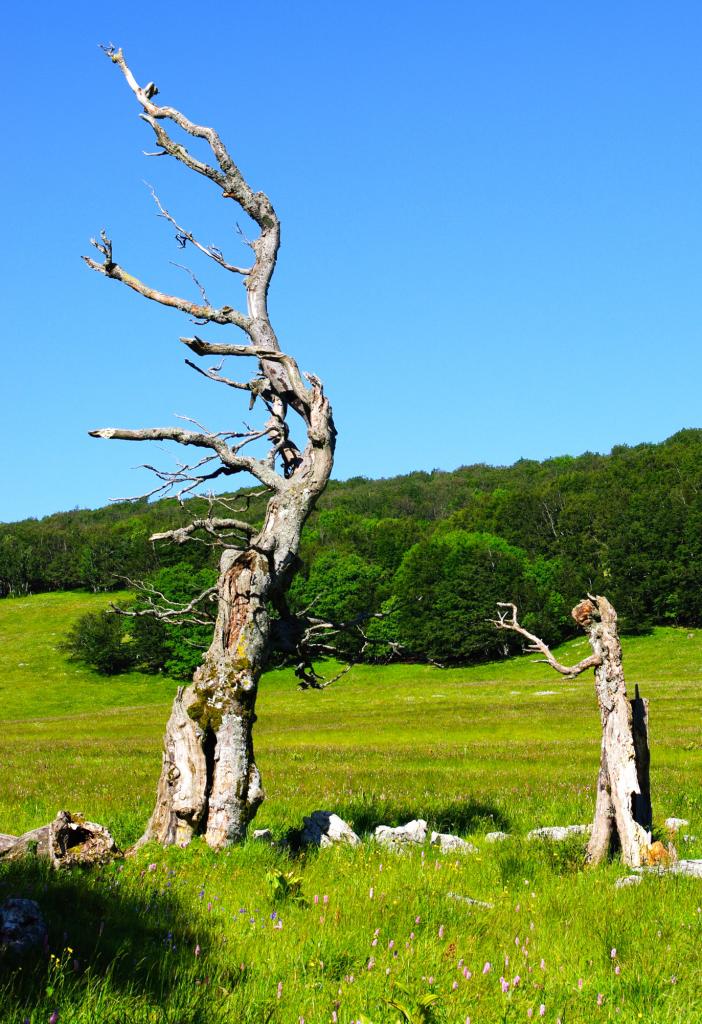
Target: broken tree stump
x=623 y=803
x=69 y=839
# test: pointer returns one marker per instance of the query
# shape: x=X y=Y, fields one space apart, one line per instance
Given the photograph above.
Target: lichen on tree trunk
x=210 y=784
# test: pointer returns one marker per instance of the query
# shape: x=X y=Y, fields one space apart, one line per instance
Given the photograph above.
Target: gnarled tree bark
x=623 y=803
x=210 y=783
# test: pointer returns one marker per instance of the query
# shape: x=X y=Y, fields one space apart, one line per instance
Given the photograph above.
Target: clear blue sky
x=492 y=226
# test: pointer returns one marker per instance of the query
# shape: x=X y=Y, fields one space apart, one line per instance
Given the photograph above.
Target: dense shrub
x=446 y=590
x=99 y=639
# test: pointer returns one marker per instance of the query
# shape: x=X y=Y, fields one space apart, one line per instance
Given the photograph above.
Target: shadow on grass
x=131 y=938
x=458 y=816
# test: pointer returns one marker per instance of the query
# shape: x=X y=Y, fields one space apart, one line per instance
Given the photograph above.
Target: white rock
x=469 y=899
x=412 y=832
x=324 y=828
x=263 y=834
x=559 y=832
x=685 y=839
x=623 y=883
x=675 y=824
x=496 y=837
x=451 y=844
x=687 y=867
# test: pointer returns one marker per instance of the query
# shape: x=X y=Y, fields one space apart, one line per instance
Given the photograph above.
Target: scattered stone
x=451 y=844
x=687 y=867
x=692 y=868
x=469 y=899
x=675 y=824
x=22 y=926
x=263 y=834
x=404 y=835
x=689 y=839
x=323 y=828
x=496 y=837
x=557 y=833
x=623 y=883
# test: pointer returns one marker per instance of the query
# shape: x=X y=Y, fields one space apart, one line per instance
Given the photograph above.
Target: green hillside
x=446 y=544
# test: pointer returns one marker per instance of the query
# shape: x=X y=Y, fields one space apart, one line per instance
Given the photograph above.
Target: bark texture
x=210 y=784
x=69 y=839
x=623 y=802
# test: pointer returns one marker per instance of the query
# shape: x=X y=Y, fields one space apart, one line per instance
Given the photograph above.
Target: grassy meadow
x=190 y=937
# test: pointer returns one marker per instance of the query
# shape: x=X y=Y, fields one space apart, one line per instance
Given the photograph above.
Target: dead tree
x=209 y=782
x=623 y=806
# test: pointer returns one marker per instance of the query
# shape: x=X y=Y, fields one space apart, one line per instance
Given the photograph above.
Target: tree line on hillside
x=432 y=551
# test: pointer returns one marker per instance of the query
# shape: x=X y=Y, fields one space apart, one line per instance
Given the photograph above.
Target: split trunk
x=623 y=805
x=210 y=784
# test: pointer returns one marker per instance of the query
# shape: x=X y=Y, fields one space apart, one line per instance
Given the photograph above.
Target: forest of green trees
x=434 y=551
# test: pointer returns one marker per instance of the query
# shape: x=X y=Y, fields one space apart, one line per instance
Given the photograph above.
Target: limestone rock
x=324 y=828
x=469 y=899
x=404 y=835
x=675 y=824
x=557 y=833
x=687 y=867
x=22 y=926
x=451 y=844
x=626 y=881
x=496 y=837
x=263 y=835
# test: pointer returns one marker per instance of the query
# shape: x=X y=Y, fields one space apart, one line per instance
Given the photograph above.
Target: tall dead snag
x=623 y=806
x=209 y=781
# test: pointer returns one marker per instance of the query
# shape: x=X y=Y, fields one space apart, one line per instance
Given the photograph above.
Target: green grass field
x=185 y=936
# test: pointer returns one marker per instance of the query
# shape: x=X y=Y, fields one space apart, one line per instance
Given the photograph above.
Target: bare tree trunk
x=622 y=809
x=623 y=803
x=209 y=782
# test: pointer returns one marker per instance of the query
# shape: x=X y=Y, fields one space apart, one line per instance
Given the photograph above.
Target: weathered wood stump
x=623 y=804
x=69 y=839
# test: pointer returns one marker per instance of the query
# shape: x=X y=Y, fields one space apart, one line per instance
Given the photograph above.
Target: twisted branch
x=507 y=619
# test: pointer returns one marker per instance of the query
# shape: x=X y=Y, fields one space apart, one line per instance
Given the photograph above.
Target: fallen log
x=69 y=839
